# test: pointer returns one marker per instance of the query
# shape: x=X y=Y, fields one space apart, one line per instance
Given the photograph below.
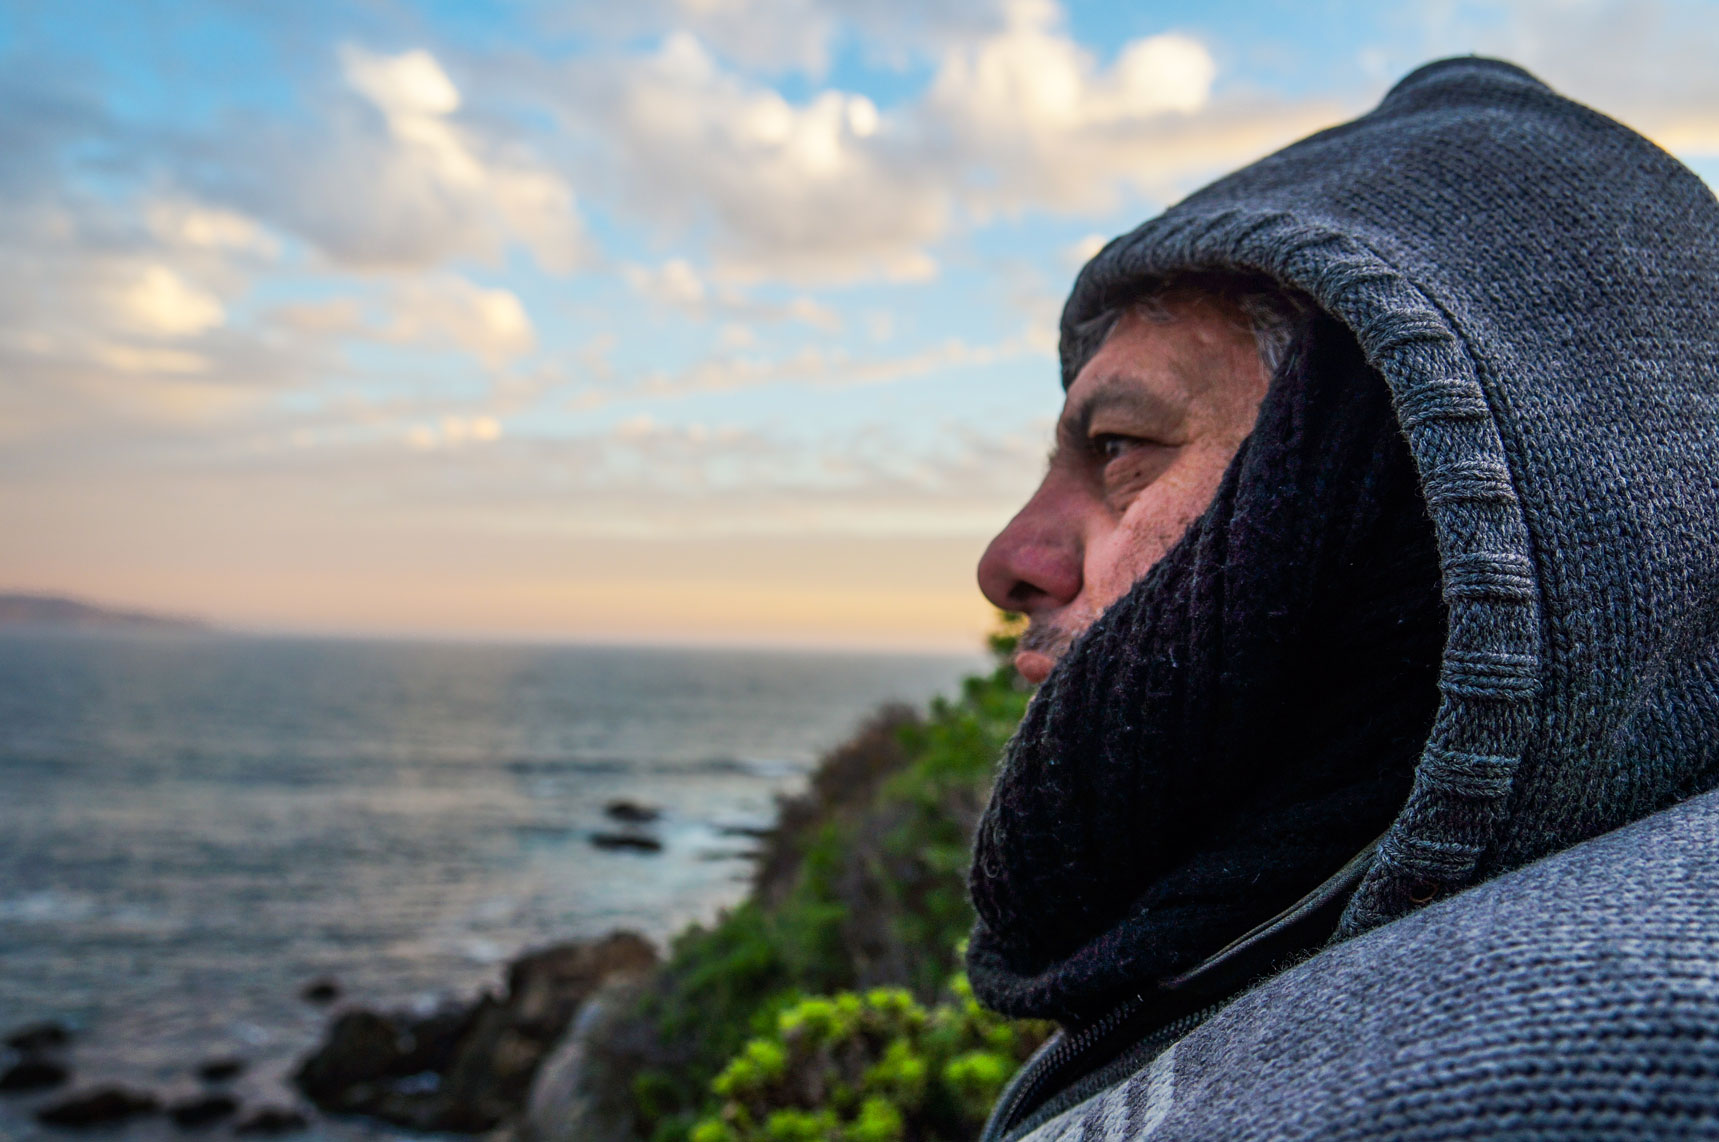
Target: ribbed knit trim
x=1491 y=670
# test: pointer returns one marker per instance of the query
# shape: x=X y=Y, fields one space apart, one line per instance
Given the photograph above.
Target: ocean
x=193 y=827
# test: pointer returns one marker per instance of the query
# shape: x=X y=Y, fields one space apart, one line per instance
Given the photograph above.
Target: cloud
x=771 y=37
x=1648 y=63
x=1079 y=253
x=812 y=190
x=1031 y=79
x=393 y=179
x=677 y=284
x=162 y=303
x=192 y=225
x=831 y=188
x=489 y=323
x=331 y=316
x=731 y=369
x=108 y=326
x=453 y=432
x=1028 y=119
x=134 y=359
x=1020 y=117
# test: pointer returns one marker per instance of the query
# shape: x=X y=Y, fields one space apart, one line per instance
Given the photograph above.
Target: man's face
x=1147 y=429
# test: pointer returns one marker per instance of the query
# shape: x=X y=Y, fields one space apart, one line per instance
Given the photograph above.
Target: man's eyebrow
x=1117 y=391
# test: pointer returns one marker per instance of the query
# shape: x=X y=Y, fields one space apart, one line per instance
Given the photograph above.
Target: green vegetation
x=876 y=1067
x=827 y=1005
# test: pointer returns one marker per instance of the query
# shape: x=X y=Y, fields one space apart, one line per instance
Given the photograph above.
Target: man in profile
x=1372 y=599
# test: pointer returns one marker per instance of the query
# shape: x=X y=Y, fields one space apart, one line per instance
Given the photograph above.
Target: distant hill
x=53 y=612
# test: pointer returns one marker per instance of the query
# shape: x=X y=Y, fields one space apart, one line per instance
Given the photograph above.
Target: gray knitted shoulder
x=1576 y=998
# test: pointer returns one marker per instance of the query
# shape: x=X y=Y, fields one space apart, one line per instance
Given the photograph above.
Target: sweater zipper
x=1054 y=1067
x=1042 y=1074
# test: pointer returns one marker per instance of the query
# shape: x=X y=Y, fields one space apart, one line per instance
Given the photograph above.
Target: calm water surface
x=193 y=827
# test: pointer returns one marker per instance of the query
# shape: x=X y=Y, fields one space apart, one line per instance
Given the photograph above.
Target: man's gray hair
x=1276 y=315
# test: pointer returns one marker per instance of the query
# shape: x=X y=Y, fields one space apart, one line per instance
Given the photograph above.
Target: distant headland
x=56 y=612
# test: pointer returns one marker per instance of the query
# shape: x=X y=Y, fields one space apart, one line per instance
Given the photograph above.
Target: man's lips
x=1033 y=665
x=1044 y=642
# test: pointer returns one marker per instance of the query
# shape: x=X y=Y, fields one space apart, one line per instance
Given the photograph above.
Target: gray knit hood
x=1539 y=288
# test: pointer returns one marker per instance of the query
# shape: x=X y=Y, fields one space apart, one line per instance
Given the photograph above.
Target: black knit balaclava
x=1235 y=728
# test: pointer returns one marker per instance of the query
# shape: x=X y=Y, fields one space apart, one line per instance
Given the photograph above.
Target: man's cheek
x=1153 y=524
x=1115 y=565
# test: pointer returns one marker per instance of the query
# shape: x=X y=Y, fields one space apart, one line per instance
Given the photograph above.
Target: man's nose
x=1034 y=564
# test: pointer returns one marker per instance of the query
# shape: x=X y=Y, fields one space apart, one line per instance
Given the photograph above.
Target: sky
x=676 y=321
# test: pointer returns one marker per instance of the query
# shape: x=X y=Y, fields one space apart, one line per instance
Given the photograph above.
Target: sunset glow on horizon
x=667 y=322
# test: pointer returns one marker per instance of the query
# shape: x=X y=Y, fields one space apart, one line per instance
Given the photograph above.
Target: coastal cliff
x=23 y=611
x=827 y=1004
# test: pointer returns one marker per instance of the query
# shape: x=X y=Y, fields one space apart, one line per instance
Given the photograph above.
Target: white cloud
x=190 y=224
x=814 y=366
x=412 y=90
x=149 y=359
x=395 y=177
x=1083 y=251
x=333 y=316
x=775 y=36
x=1648 y=63
x=1021 y=117
x=1031 y=79
x=832 y=188
x=637 y=427
x=489 y=323
x=453 y=431
x=677 y=284
x=111 y=318
x=434 y=169
x=814 y=190
x=814 y=313
x=1028 y=119
x=160 y=302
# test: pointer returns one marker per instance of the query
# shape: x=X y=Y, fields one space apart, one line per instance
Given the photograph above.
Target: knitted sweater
x=1577 y=998
x=1539 y=288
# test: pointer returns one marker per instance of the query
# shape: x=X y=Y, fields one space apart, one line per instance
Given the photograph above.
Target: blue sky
x=679 y=320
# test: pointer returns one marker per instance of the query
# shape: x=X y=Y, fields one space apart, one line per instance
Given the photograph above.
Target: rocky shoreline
x=39 y=1063
x=467 y=1068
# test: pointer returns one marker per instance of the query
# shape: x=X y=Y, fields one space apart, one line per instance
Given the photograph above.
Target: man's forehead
x=1139 y=369
x=1166 y=365
x=1136 y=392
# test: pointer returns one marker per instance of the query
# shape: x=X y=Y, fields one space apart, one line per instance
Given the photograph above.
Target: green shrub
x=864 y=884
x=876 y=1067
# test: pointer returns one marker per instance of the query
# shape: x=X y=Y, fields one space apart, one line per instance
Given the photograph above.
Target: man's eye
x=1109 y=446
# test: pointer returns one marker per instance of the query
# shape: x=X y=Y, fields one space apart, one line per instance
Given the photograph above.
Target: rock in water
x=362 y=1048
x=465 y=1070
x=99 y=1107
x=320 y=991
x=268 y=1120
x=632 y=812
x=37 y=1037
x=204 y=1110
x=221 y=1070
x=632 y=842
x=30 y=1074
